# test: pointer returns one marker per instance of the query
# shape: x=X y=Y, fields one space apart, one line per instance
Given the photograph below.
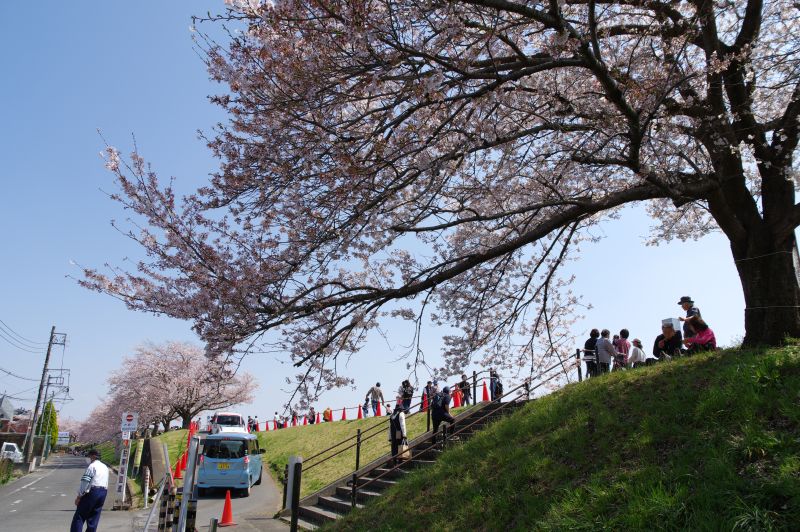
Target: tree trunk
x=769 y=275
x=186 y=419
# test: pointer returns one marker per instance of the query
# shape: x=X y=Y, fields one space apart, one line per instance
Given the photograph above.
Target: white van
x=228 y=422
x=10 y=451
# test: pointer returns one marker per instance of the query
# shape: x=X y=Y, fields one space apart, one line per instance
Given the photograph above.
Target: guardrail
x=361 y=436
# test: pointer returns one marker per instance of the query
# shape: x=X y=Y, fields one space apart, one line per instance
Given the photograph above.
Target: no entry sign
x=130 y=422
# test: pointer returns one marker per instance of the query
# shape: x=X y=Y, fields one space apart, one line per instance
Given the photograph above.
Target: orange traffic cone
x=266 y=426
x=227 y=512
x=177 y=475
x=485 y=392
x=360 y=415
x=318 y=419
x=294 y=421
x=424 y=401
x=344 y=415
x=305 y=420
x=275 y=425
x=378 y=412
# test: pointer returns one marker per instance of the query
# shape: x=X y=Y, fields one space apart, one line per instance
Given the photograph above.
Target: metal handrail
x=488 y=414
x=366 y=431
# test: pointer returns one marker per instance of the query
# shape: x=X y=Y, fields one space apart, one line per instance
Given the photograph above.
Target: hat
x=637 y=341
x=93 y=452
x=685 y=299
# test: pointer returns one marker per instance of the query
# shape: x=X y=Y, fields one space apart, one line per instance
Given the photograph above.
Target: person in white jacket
x=397 y=429
x=637 y=357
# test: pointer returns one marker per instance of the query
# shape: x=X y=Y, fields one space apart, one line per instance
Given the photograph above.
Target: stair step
x=315 y=514
x=363 y=495
x=302 y=524
x=378 y=484
x=388 y=472
x=419 y=463
x=337 y=504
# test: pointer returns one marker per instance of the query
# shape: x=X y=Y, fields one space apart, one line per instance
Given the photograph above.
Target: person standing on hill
x=590 y=349
x=605 y=351
x=375 y=394
x=91 y=494
x=466 y=390
x=494 y=378
x=440 y=410
x=406 y=392
x=312 y=416
x=692 y=316
x=623 y=347
x=427 y=393
x=397 y=429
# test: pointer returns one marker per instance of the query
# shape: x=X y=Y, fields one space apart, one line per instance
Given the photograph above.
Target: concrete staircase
x=335 y=500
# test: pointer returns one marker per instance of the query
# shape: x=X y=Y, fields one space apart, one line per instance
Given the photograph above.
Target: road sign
x=122 y=476
x=63 y=438
x=130 y=422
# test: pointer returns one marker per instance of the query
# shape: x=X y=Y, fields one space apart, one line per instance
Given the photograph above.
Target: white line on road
x=29 y=484
x=17 y=501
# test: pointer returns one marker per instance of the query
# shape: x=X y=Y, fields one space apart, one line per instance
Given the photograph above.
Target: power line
x=11 y=342
x=18 y=376
x=16 y=334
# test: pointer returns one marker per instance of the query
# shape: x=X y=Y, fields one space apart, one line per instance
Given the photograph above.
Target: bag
x=404 y=453
x=438 y=401
x=498 y=388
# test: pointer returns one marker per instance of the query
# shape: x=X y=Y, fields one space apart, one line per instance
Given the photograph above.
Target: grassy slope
x=309 y=440
x=706 y=443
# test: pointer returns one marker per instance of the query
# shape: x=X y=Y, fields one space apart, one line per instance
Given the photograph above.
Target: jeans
x=374 y=408
x=407 y=405
x=466 y=399
x=88 y=510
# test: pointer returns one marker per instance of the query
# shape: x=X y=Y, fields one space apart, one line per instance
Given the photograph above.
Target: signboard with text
x=130 y=422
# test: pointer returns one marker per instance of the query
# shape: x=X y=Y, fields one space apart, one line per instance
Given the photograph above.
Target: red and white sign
x=130 y=422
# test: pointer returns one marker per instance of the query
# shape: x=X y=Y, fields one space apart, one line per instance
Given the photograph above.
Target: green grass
x=311 y=439
x=176 y=443
x=108 y=452
x=710 y=442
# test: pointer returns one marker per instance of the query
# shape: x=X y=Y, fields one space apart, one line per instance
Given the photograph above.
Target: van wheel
x=260 y=472
x=246 y=492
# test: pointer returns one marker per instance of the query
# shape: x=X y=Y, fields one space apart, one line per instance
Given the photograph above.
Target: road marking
x=17 y=501
x=29 y=484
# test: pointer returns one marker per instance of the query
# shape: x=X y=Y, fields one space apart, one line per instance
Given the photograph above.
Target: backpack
x=438 y=401
x=498 y=388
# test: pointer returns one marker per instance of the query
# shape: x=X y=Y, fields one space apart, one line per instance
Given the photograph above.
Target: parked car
x=230 y=461
x=228 y=422
x=10 y=451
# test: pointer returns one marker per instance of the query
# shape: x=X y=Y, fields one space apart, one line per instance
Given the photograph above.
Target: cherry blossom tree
x=164 y=382
x=441 y=160
x=177 y=379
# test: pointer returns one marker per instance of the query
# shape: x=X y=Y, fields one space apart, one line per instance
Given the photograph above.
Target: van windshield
x=232 y=421
x=225 y=449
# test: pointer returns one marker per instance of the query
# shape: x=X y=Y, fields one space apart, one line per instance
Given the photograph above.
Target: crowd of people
x=602 y=353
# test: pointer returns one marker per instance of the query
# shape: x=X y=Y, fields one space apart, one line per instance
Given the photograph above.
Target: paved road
x=44 y=501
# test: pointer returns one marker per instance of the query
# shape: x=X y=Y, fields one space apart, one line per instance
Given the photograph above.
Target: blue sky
x=129 y=68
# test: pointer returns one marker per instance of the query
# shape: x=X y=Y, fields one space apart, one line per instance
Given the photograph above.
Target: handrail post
x=474 y=387
x=444 y=435
x=578 y=358
x=354 y=491
x=285 y=483
x=298 y=472
x=428 y=412
x=358 y=449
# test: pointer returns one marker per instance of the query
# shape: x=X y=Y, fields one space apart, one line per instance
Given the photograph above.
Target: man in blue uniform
x=91 y=495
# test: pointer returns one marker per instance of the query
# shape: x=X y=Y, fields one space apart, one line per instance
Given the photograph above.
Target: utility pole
x=54 y=340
